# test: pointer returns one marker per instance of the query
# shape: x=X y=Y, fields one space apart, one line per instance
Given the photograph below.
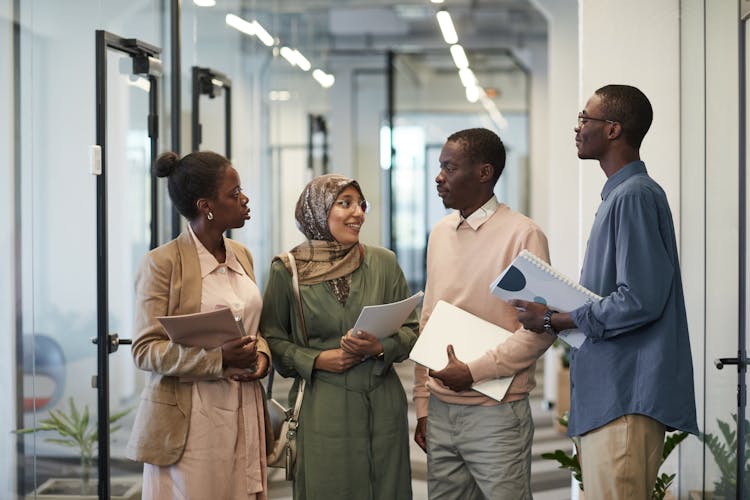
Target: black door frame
x=317 y=124
x=144 y=63
x=211 y=83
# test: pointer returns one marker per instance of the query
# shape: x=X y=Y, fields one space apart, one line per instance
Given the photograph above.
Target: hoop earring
x=210 y=216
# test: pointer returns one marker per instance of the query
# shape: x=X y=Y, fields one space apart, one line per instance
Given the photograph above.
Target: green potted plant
x=75 y=429
x=570 y=462
x=725 y=456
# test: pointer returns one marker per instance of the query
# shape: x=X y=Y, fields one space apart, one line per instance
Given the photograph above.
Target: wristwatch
x=547 y=322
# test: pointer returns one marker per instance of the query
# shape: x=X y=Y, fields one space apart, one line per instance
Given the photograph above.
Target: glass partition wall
x=57 y=204
x=53 y=206
x=431 y=103
x=288 y=122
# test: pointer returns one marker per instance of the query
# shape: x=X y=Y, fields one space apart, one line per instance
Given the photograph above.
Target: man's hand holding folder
x=456 y=375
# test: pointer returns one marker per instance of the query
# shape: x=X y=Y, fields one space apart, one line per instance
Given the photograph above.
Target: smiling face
x=346 y=216
x=459 y=181
x=230 y=205
x=591 y=135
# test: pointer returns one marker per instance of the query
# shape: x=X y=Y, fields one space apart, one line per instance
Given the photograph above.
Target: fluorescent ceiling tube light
x=205 y=3
x=240 y=24
x=289 y=55
x=324 y=79
x=302 y=61
x=279 y=95
x=437 y=1
x=446 y=27
x=459 y=56
x=467 y=77
x=472 y=93
x=263 y=35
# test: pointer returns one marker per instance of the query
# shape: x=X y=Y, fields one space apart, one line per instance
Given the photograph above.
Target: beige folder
x=204 y=329
x=471 y=338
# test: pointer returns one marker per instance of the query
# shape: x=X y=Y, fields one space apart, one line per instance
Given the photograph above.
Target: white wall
x=693 y=249
x=683 y=55
x=636 y=43
x=560 y=168
x=7 y=254
x=710 y=212
x=539 y=201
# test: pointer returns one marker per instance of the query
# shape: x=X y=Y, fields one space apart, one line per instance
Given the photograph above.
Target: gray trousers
x=479 y=452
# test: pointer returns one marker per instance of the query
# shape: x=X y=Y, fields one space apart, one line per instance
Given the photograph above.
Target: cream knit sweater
x=461 y=264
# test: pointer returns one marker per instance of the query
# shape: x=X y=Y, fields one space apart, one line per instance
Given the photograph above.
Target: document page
x=385 y=319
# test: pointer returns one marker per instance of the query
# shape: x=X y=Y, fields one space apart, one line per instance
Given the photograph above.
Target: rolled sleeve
x=642 y=266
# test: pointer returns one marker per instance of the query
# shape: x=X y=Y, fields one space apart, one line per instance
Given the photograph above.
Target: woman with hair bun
x=199 y=427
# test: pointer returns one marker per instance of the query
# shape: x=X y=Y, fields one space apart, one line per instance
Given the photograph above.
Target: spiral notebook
x=530 y=278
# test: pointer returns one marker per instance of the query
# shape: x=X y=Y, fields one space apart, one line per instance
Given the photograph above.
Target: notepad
x=204 y=329
x=471 y=338
x=530 y=278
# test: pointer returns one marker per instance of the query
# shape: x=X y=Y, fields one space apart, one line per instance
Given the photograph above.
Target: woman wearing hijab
x=353 y=437
x=199 y=427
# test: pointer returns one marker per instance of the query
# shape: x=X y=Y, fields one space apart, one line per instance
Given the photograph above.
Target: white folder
x=471 y=338
x=203 y=329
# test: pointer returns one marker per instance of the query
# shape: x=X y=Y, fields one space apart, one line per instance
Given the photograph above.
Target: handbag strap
x=301 y=317
x=295 y=287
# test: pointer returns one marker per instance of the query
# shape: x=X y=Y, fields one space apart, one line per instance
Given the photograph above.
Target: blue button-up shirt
x=637 y=358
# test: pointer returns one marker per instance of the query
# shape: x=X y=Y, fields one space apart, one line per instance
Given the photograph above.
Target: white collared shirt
x=480 y=215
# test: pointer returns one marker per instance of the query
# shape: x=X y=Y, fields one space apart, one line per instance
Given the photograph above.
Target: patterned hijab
x=321 y=258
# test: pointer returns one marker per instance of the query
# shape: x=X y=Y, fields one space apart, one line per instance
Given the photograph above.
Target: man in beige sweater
x=477 y=447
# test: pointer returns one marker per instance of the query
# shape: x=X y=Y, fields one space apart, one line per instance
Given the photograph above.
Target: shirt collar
x=480 y=215
x=209 y=263
x=629 y=170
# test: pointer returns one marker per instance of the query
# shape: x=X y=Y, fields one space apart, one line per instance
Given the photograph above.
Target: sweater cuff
x=482 y=368
x=421 y=404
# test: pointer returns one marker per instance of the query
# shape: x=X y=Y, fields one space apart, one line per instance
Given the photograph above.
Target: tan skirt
x=224 y=457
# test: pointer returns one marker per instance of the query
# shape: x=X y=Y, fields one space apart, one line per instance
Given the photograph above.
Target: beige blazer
x=168 y=282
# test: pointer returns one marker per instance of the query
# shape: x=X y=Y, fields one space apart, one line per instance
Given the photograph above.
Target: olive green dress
x=353 y=440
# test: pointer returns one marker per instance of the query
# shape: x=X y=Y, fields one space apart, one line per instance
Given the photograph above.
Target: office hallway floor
x=547 y=481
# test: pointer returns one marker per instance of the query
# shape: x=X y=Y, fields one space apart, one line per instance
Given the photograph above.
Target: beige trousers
x=620 y=460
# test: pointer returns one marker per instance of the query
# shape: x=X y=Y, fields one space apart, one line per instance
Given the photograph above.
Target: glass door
x=127 y=76
x=211 y=83
x=429 y=106
x=725 y=437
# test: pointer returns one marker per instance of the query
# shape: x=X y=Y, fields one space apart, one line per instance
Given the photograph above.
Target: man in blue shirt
x=633 y=377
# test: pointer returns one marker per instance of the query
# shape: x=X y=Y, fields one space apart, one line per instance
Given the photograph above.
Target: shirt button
x=223 y=270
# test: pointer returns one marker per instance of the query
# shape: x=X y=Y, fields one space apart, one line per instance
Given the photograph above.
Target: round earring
x=210 y=216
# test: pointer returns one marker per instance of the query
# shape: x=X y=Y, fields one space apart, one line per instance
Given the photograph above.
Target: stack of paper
x=384 y=320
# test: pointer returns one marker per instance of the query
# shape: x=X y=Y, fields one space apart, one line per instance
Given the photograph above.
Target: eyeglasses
x=350 y=204
x=582 y=119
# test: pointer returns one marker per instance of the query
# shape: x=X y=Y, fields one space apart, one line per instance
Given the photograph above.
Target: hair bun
x=165 y=164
